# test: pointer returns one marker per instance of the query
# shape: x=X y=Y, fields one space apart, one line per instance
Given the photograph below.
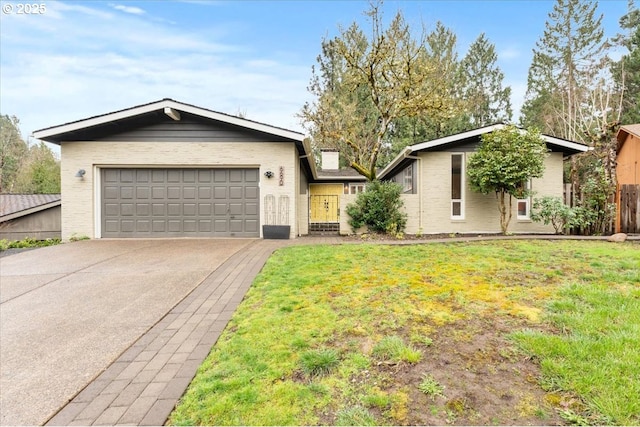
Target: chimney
x=330 y=159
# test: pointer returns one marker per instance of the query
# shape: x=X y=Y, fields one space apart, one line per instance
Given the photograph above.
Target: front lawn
x=503 y=332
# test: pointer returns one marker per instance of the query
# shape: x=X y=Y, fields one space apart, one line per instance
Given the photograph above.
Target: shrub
x=552 y=210
x=379 y=207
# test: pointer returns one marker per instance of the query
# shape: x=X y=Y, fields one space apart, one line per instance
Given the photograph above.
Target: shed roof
x=17 y=205
x=626 y=130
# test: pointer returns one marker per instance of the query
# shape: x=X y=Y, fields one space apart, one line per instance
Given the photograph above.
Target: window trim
x=527 y=201
x=462 y=188
x=407 y=176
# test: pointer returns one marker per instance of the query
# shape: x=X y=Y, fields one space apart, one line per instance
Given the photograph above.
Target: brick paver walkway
x=144 y=384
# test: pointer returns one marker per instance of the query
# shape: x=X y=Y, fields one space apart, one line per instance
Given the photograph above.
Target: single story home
x=35 y=216
x=170 y=169
x=628 y=179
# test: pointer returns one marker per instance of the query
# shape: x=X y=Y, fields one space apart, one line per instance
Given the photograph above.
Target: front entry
x=324 y=209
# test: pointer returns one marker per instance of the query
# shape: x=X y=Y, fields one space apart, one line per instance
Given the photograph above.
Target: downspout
x=418 y=178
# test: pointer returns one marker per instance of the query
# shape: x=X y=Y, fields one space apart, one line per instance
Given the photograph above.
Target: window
x=524 y=204
x=457 y=186
x=354 y=188
x=407 y=179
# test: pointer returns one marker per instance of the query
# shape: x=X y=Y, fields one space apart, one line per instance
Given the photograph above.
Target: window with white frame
x=354 y=188
x=407 y=179
x=524 y=205
x=457 y=186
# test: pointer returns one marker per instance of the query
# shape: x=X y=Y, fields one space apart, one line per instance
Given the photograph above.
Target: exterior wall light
x=80 y=173
x=268 y=174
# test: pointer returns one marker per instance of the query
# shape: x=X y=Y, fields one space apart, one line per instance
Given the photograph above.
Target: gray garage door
x=180 y=203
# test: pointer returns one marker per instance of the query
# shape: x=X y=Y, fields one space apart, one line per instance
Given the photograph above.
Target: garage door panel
x=110 y=192
x=173 y=192
x=251 y=193
x=204 y=226
x=220 y=209
x=235 y=208
x=127 y=175
x=204 y=193
x=189 y=209
x=142 y=193
x=158 y=192
x=126 y=209
x=236 y=192
x=174 y=209
x=220 y=193
x=126 y=192
x=127 y=226
x=251 y=226
x=141 y=202
x=220 y=226
x=158 y=209
x=251 y=209
x=189 y=226
x=189 y=193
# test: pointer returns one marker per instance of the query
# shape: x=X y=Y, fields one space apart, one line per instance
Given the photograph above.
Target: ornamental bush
x=379 y=207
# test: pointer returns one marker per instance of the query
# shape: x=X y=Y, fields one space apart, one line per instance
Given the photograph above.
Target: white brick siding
x=81 y=198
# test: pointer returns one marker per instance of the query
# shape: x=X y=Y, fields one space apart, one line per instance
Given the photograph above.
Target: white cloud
x=509 y=54
x=81 y=61
x=128 y=9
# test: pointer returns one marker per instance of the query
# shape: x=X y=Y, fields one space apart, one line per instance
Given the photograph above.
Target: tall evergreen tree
x=486 y=99
x=13 y=150
x=626 y=71
x=563 y=68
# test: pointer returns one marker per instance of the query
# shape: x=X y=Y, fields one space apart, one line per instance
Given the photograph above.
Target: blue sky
x=77 y=59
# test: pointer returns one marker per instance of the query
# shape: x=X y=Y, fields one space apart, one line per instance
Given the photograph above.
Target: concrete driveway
x=68 y=311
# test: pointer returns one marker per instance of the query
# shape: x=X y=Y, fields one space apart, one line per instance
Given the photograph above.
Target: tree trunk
x=505 y=212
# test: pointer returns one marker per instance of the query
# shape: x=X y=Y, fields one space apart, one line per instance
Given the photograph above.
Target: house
x=170 y=169
x=36 y=216
x=438 y=199
x=628 y=179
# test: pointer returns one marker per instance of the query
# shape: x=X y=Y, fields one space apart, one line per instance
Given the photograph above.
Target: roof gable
x=164 y=111
x=468 y=138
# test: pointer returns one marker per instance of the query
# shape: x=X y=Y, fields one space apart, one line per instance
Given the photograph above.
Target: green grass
x=597 y=352
x=349 y=299
x=393 y=349
x=319 y=362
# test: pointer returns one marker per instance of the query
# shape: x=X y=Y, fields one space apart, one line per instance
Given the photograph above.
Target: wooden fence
x=629 y=208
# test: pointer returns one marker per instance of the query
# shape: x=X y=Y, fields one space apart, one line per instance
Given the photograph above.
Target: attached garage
x=169 y=169
x=184 y=202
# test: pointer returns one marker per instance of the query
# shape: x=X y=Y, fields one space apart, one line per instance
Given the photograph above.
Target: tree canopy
x=24 y=168
x=505 y=161
x=365 y=83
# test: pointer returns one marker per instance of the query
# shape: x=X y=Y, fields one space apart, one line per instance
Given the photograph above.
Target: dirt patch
x=485 y=380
